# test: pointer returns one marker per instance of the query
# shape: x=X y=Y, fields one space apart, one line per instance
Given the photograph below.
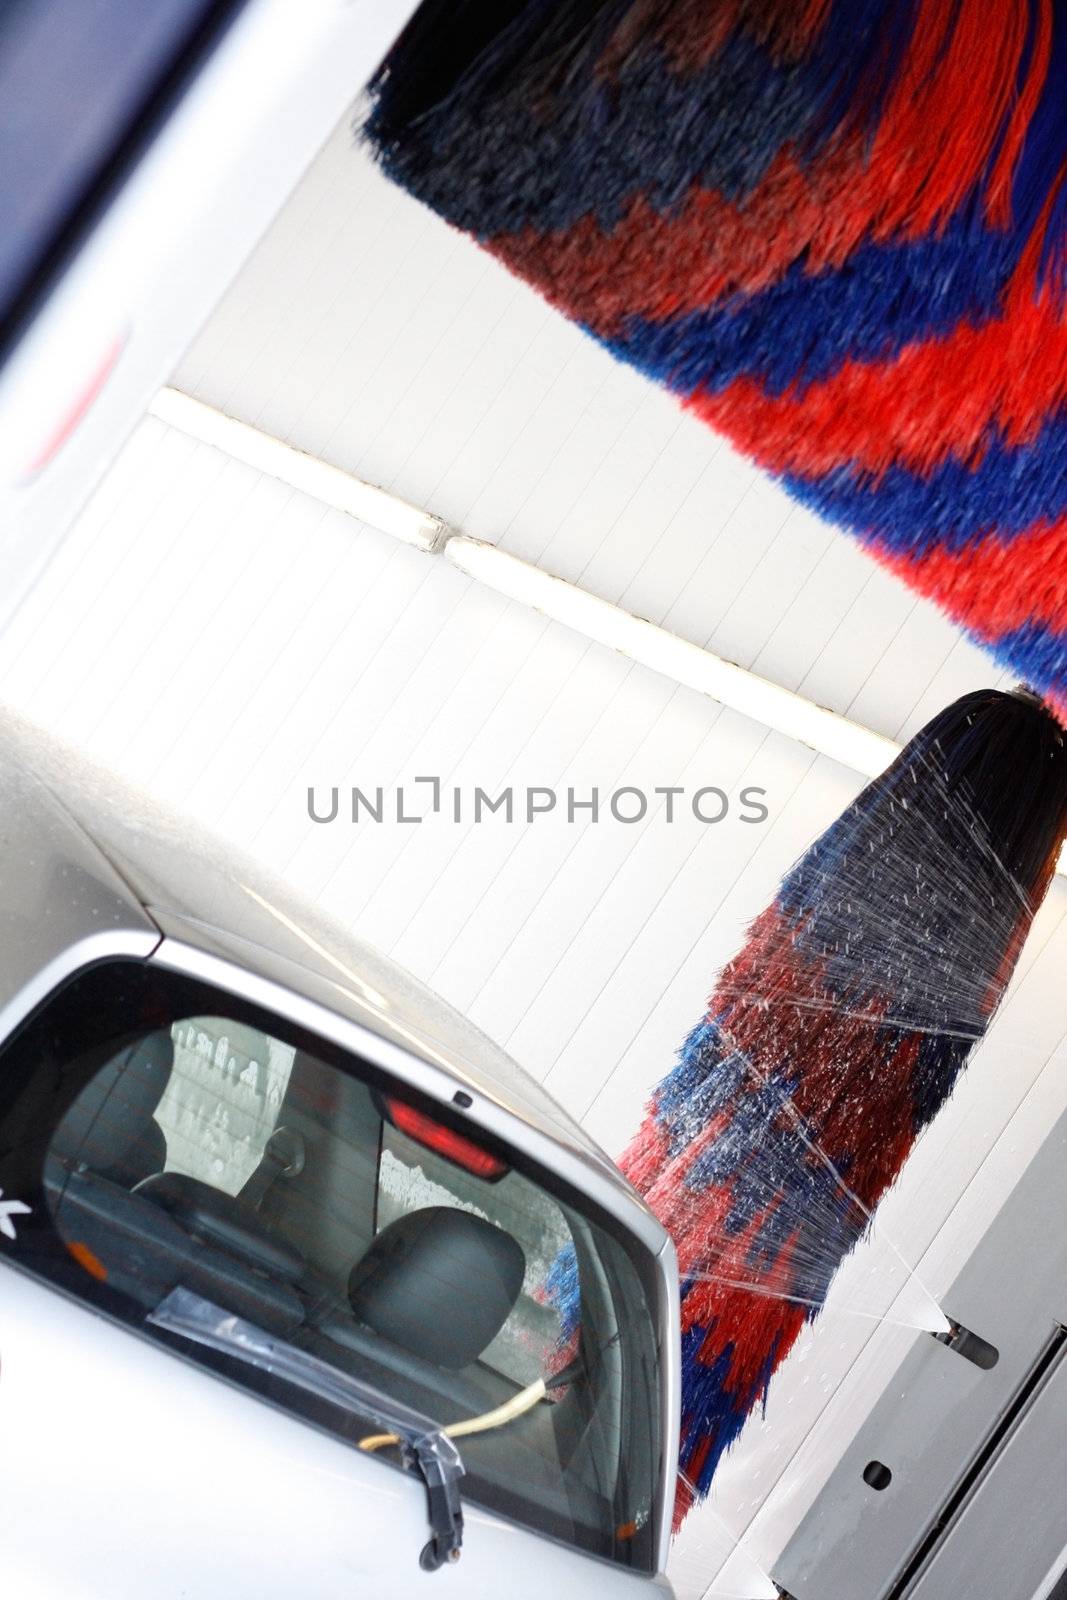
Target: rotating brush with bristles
x=837 y=229
x=836 y=1035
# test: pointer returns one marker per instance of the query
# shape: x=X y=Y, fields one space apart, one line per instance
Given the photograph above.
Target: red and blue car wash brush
x=836 y=1035
x=837 y=229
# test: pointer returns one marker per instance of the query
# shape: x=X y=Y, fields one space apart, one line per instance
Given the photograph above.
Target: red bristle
x=874 y=1120
x=693 y=32
x=793 y=29
x=1025 y=286
x=692 y=1218
x=995 y=585
x=701 y=1306
x=759 y=1324
x=726 y=1262
x=941 y=119
x=1002 y=177
x=1014 y=949
x=647 y=1154
x=934 y=400
x=655 y=264
x=683 y=1495
x=834 y=1051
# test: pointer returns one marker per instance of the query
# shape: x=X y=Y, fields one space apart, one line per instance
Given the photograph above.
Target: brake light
x=453 y=1146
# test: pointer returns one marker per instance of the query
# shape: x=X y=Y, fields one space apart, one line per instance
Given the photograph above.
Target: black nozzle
x=969 y=1345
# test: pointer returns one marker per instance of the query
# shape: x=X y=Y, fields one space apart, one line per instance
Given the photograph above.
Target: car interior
x=212 y=1156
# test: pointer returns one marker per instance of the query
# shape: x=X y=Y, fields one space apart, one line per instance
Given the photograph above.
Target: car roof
x=171 y=866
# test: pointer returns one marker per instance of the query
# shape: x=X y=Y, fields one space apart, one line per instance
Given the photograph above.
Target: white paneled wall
x=227 y=643
x=367 y=331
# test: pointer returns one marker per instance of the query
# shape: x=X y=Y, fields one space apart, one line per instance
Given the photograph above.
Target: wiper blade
x=423 y=1444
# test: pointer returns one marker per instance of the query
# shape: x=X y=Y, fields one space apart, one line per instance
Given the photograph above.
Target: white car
x=274 y=1220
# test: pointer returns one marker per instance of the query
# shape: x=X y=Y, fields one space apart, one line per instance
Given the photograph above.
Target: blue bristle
x=603 y=142
x=1010 y=489
x=1034 y=652
x=803 y=329
x=561 y=1290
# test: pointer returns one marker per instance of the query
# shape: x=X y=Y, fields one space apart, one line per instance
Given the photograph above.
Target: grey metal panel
x=938 y=1412
x=1011 y=1532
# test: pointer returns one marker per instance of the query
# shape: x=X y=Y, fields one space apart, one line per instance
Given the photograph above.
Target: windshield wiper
x=423 y=1444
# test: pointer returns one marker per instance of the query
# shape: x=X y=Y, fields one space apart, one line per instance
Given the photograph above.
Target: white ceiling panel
x=368 y=332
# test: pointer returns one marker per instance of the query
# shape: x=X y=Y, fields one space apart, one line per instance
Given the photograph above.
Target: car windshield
x=188 y=1141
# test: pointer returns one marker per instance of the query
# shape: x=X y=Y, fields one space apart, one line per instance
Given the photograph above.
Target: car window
x=179 y=1138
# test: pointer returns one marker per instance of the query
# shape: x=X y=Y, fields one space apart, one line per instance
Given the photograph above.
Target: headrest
x=114 y=1112
x=222 y=1220
x=440 y=1283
